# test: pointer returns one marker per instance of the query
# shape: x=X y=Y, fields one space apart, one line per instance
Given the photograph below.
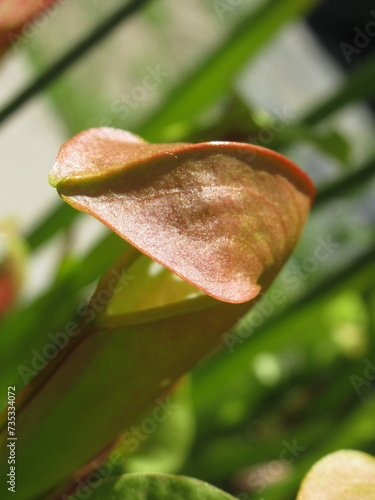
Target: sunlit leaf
x=223 y=216
x=344 y=475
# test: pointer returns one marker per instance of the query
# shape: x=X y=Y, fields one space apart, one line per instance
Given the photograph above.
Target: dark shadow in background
x=340 y=25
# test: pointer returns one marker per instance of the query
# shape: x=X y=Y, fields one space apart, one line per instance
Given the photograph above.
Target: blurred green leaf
x=329 y=142
x=164 y=449
x=154 y=487
x=59 y=218
x=232 y=452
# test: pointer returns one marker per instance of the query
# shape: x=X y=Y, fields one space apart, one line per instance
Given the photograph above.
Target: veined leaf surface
x=223 y=216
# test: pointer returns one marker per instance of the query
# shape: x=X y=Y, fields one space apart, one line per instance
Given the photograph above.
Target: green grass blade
x=60 y=217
